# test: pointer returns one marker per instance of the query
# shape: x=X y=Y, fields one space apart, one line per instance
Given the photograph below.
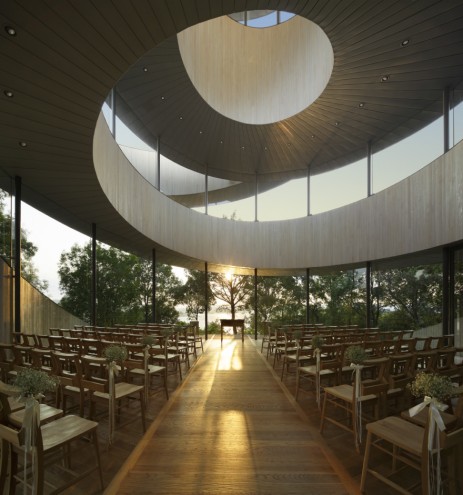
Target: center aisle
x=231 y=429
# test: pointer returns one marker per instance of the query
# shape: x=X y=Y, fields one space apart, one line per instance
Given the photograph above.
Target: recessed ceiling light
x=220 y=142
x=145 y=69
x=265 y=148
x=242 y=148
x=313 y=137
x=200 y=132
x=385 y=78
x=336 y=124
x=181 y=118
x=10 y=30
x=8 y=93
x=405 y=42
x=23 y=144
x=163 y=97
x=361 y=104
x=288 y=144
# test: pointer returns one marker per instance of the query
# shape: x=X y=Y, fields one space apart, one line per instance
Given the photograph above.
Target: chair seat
x=399 y=432
x=64 y=430
x=312 y=370
x=345 y=392
x=123 y=389
x=47 y=413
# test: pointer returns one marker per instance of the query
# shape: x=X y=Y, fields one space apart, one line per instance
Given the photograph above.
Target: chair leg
x=97 y=452
x=5 y=453
x=366 y=459
x=142 y=409
x=322 y=419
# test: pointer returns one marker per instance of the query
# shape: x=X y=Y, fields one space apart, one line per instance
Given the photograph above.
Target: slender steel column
x=255 y=304
x=153 y=288
x=447 y=289
x=446 y=114
x=113 y=110
x=158 y=181
x=256 y=192
x=368 y=293
x=17 y=253
x=206 y=191
x=94 y=276
x=206 y=298
x=308 y=191
x=307 y=295
x=369 y=174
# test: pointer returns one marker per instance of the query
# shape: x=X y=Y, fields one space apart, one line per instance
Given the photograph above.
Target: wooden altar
x=235 y=324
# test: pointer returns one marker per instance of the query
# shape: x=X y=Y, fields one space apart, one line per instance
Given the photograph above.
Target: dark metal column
x=206 y=298
x=113 y=110
x=206 y=191
x=255 y=304
x=369 y=174
x=158 y=181
x=307 y=295
x=17 y=254
x=447 y=283
x=153 y=288
x=446 y=114
x=368 y=295
x=94 y=276
x=308 y=191
x=256 y=192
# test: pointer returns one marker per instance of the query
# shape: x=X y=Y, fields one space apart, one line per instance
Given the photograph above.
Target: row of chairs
x=391 y=365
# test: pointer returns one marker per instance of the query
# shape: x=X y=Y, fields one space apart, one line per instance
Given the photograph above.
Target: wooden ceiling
x=66 y=56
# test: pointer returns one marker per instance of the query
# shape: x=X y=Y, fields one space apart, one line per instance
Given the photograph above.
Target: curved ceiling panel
x=257 y=76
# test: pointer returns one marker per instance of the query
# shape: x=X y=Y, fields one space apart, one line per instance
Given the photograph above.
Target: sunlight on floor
x=229 y=358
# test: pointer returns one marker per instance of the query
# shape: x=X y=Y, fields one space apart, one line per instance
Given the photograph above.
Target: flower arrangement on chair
x=435 y=390
x=31 y=385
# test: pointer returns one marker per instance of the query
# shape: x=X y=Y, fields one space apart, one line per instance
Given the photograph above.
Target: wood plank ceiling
x=66 y=56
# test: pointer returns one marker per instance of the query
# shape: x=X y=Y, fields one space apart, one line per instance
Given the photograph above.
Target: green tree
x=280 y=299
x=193 y=294
x=28 y=248
x=124 y=286
x=235 y=291
x=411 y=297
x=338 y=298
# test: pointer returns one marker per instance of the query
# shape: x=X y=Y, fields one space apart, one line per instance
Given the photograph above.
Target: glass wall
x=6 y=215
x=458 y=298
x=403 y=159
x=338 y=187
x=338 y=298
x=408 y=296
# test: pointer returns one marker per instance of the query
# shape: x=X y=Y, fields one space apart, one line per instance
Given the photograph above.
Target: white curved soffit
x=419 y=213
x=257 y=76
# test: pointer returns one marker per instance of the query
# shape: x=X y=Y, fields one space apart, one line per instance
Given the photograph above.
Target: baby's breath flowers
x=432 y=385
x=116 y=353
x=355 y=354
x=32 y=382
x=317 y=341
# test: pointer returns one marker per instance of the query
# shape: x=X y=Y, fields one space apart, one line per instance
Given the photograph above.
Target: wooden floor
x=230 y=427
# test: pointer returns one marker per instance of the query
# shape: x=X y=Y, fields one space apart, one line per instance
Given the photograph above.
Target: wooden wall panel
x=418 y=213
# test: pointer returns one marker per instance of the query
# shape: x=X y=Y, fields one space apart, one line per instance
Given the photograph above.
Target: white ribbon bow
x=30 y=422
x=317 y=374
x=113 y=371
x=436 y=425
x=357 y=401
